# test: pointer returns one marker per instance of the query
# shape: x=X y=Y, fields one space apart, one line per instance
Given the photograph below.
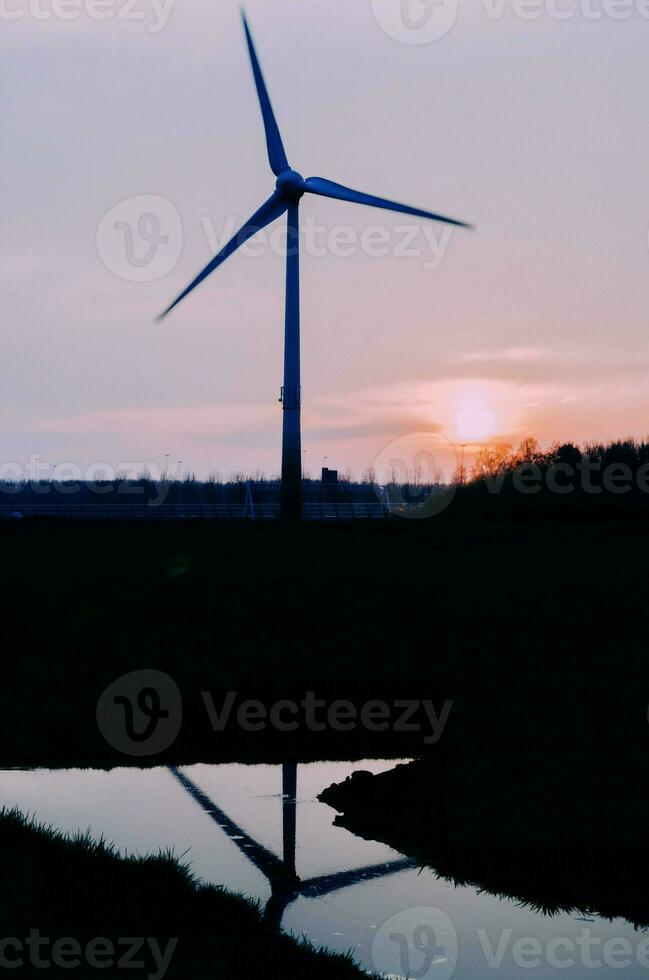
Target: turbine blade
x=276 y=153
x=272 y=209
x=327 y=188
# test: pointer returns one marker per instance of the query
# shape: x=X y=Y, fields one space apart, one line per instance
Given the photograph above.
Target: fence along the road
x=152 y=512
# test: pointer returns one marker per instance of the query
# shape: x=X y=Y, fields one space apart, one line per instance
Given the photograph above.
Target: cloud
x=576 y=363
x=516 y=355
x=387 y=428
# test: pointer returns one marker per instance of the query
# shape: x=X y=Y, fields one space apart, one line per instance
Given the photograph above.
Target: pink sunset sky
x=535 y=130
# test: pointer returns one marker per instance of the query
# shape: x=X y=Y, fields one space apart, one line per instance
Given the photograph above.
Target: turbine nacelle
x=291 y=186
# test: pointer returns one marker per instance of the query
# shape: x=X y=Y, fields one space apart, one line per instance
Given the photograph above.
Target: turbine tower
x=290 y=187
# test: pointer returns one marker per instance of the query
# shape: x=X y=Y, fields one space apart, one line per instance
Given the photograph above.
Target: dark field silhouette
x=81 y=888
x=498 y=595
x=527 y=612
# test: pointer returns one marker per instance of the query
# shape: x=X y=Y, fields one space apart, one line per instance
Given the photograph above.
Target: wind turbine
x=290 y=187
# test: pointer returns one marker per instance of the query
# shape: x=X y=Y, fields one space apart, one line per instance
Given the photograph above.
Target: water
x=234 y=825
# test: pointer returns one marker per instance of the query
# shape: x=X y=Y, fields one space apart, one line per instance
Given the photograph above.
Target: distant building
x=329 y=486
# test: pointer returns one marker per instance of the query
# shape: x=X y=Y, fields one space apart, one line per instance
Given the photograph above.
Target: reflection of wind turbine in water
x=285 y=884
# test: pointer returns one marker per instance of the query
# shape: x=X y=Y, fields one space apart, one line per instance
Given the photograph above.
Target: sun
x=474 y=420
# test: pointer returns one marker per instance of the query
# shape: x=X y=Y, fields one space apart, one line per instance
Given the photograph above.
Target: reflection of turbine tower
x=285 y=885
x=289 y=816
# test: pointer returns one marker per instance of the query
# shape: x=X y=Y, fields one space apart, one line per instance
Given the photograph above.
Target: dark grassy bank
x=81 y=890
x=537 y=629
x=569 y=840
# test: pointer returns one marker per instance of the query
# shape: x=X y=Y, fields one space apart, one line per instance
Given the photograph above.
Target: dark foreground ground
x=570 y=841
x=67 y=905
x=536 y=631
